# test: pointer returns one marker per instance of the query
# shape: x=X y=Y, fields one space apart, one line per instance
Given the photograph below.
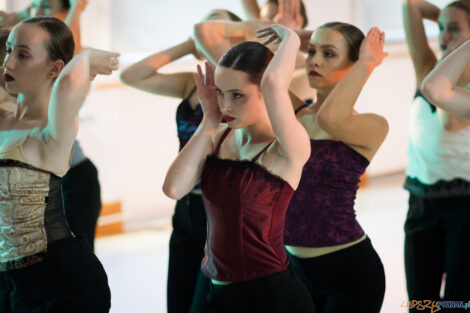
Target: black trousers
x=437 y=241
x=351 y=280
x=71 y=280
x=186 y=252
x=281 y=292
x=82 y=199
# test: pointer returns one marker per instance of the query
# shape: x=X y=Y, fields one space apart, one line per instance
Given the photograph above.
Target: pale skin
x=258 y=114
x=214 y=38
x=286 y=13
x=49 y=95
x=453 y=26
x=338 y=85
x=146 y=75
x=441 y=86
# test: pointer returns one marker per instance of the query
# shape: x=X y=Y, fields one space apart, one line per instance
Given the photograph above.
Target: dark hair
x=4 y=33
x=60 y=45
x=233 y=16
x=249 y=57
x=65 y=4
x=463 y=5
x=353 y=35
x=303 y=12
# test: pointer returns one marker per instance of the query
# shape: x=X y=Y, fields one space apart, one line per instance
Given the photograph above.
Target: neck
x=259 y=132
x=33 y=106
x=322 y=94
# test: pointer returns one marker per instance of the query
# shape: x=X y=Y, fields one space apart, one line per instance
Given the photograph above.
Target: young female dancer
x=437 y=227
x=248 y=169
x=189 y=220
x=43 y=267
x=441 y=86
x=81 y=187
x=321 y=232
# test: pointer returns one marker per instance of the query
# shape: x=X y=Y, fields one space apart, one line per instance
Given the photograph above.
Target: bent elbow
x=436 y=92
x=170 y=191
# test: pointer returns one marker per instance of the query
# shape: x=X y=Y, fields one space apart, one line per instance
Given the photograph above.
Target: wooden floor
x=136 y=262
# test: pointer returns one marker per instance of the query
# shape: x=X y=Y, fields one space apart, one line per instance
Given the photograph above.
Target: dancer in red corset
x=248 y=169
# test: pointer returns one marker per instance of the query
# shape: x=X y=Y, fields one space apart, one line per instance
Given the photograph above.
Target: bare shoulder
x=218 y=134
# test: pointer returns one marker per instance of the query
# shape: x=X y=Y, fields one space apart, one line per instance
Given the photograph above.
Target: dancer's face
x=453 y=27
x=27 y=63
x=240 y=101
x=328 y=58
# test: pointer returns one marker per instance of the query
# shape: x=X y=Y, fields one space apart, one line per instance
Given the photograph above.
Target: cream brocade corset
x=31 y=214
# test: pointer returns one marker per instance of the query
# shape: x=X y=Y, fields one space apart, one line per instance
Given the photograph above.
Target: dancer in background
x=437 y=227
x=44 y=267
x=343 y=271
x=214 y=38
x=274 y=10
x=248 y=169
x=81 y=187
x=189 y=220
x=442 y=87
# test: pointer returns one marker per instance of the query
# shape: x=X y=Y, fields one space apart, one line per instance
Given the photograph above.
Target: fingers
x=209 y=74
x=264 y=31
x=273 y=39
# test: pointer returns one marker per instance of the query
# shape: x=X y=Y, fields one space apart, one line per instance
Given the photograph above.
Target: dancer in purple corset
x=249 y=169
x=187 y=287
x=326 y=242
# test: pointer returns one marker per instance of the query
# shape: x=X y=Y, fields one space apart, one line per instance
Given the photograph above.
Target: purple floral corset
x=321 y=212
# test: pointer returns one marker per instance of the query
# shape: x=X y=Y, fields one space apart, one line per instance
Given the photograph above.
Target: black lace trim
x=455 y=188
x=15 y=163
x=432 y=106
x=250 y=164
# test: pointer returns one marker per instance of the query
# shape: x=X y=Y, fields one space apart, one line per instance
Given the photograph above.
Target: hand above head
x=102 y=62
x=289 y=14
x=372 y=48
x=276 y=33
x=207 y=92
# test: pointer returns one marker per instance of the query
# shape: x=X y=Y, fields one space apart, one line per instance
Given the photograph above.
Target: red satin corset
x=246 y=207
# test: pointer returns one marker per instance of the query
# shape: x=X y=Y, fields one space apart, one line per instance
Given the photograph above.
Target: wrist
x=366 y=65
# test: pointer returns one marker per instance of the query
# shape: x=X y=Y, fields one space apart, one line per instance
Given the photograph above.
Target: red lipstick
x=313 y=73
x=8 y=77
x=229 y=118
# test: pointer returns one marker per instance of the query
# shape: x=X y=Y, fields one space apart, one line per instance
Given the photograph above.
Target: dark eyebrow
x=24 y=47
x=324 y=46
x=234 y=90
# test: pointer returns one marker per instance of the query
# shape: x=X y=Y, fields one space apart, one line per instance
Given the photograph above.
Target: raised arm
x=290 y=134
x=414 y=12
x=336 y=115
x=145 y=75
x=440 y=88
x=214 y=38
x=69 y=91
x=186 y=169
x=251 y=9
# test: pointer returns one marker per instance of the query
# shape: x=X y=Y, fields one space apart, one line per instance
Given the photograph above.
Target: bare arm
x=304 y=36
x=290 y=134
x=439 y=87
x=214 y=38
x=414 y=12
x=336 y=114
x=69 y=91
x=251 y=9
x=186 y=169
x=144 y=75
